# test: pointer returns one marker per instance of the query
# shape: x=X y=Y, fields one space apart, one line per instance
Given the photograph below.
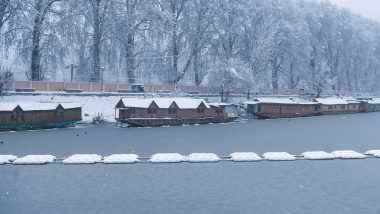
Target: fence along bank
x=19 y=116
x=172 y=111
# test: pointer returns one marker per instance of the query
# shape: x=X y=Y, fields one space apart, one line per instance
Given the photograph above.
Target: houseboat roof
x=222 y=104
x=351 y=100
x=35 y=106
x=332 y=101
x=280 y=100
x=182 y=103
x=374 y=101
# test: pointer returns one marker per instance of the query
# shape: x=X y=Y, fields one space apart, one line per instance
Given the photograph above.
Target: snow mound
x=82 y=159
x=348 y=154
x=35 y=159
x=318 y=155
x=203 y=157
x=278 y=156
x=7 y=159
x=166 y=158
x=121 y=158
x=375 y=153
x=244 y=156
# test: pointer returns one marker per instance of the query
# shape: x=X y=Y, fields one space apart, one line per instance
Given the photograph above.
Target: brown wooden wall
x=341 y=108
x=164 y=113
x=40 y=117
x=287 y=109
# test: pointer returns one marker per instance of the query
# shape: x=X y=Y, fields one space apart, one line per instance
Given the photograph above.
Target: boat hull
x=51 y=125
x=278 y=116
x=152 y=122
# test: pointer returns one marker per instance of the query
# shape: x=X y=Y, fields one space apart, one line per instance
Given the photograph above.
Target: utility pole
x=72 y=66
x=102 y=82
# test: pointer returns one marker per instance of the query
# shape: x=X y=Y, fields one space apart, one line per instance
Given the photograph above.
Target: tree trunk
x=35 y=61
x=175 y=53
x=197 y=77
x=3 y=10
x=275 y=68
x=130 y=60
x=96 y=42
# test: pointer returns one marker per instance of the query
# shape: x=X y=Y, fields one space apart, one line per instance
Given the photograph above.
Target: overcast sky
x=367 y=8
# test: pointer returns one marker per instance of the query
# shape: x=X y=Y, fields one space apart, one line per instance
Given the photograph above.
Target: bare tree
x=99 y=10
x=42 y=8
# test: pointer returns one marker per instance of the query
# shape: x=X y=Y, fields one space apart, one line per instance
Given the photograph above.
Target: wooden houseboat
x=338 y=105
x=374 y=105
x=170 y=111
x=21 y=116
x=279 y=107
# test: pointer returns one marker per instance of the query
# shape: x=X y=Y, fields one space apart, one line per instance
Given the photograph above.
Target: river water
x=338 y=186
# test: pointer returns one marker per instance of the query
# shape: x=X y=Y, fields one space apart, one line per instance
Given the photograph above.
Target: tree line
x=224 y=44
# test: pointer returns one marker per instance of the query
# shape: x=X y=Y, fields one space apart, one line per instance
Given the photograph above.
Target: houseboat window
x=343 y=107
x=330 y=107
x=218 y=110
x=172 y=110
x=200 y=110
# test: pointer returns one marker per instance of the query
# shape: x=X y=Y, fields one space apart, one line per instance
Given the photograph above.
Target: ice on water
x=83 y=159
x=278 y=156
x=244 y=156
x=166 y=158
x=35 y=159
x=318 y=155
x=348 y=154
x=121 y=159
x=7 y=158
x=202 y=157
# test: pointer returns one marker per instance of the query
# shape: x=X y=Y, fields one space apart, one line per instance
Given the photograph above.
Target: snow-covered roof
x=280 y=100
x=7 y=106
x=182 y=103
x=70 y=105
x=332 y=101
x=35 y=106
x=374 y=101
x=351 y=100
x=222 y=104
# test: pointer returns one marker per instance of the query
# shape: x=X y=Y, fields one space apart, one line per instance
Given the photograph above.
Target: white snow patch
x=318 y=155
x=35 y=159
x=82 y=159
x=202 y=157
x=7 y=159
x=375 y=153
x=244 y=156
x=348 y=154
x=166 y=158
x=278 y=156
x=121 y=158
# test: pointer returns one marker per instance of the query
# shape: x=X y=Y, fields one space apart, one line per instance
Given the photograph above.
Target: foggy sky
x=367 y=8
